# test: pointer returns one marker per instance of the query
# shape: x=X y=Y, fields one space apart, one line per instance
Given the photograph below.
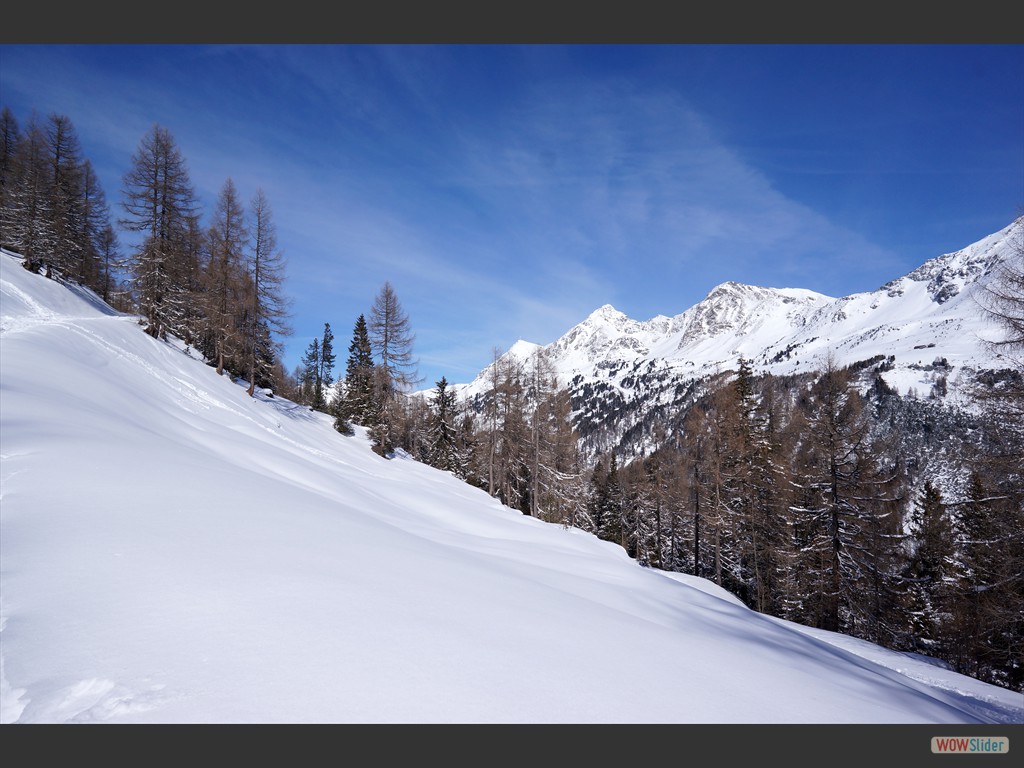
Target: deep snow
x=174 y=551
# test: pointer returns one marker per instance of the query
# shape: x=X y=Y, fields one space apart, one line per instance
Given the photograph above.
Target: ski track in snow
x=37 y=315
x=197 y=397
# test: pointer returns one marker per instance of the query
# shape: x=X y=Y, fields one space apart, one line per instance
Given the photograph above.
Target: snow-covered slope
x=928 y=313
x=174 y=551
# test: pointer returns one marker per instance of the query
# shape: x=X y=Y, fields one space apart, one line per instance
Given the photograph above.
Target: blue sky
x=507 y=191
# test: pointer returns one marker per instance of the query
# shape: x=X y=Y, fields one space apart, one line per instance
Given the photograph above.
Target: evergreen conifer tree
x=443 y=449
x=611 y=504
x=325 y=374
x=357 y=403
x=309 y=381
x=930 y=571
x=847 y=500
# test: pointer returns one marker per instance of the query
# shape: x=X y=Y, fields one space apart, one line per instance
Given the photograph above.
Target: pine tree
x=561 y=482
x=698 y=473
x=224 y=280
x=672 y=531
x=610 y=503
x=268 y=314
x=491 y=428
x=443 y=448
x=473 y=448
x=773 y=546
x=412 y=426
x=98 y=255
x=550 y=458
x=64 y=190
x=325 y=373
x=109 y=256
x=993 y=519
x=989 y=609
x=640 y=515
x=358 y=394
x=846 y=505
x=391 y=338
x=315 y=372
x=930 y=572
x=748 y=494
x=10 y=137
x=718 y=552
x=309 y=375
x=28 y=224
x=192 y=257
x=509 y=441
x=158 y=203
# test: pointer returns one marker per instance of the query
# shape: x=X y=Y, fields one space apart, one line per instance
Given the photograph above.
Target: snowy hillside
x=174 y=551
x=620 y=370
x=931 y=312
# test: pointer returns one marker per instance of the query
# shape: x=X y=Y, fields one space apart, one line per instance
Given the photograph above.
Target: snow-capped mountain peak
x=607 y=314
x=929 y=316
x=738 y=307
x=947 y=275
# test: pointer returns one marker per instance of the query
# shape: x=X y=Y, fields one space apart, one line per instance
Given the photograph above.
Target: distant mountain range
x=927 y=320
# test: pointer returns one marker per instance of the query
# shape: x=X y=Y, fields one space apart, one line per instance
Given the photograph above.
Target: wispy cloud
x=574 y=194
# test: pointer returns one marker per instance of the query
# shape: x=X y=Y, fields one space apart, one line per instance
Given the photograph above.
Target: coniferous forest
x=826 y=498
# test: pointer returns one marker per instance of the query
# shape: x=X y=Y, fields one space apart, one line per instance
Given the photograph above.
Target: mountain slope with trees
x=218 y=285
x=802 y=451
x=851 y=464
x=208 y=556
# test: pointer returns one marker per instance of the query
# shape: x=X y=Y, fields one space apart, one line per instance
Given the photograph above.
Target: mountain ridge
x=743 y=308
x=929 y=316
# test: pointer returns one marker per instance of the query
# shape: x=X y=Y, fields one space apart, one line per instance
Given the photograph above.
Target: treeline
x=515 y=441
x=380 y=370
x=825 y=498
x=218 y=286
x=520 y=444
x=53 y=210
x=796 y=495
